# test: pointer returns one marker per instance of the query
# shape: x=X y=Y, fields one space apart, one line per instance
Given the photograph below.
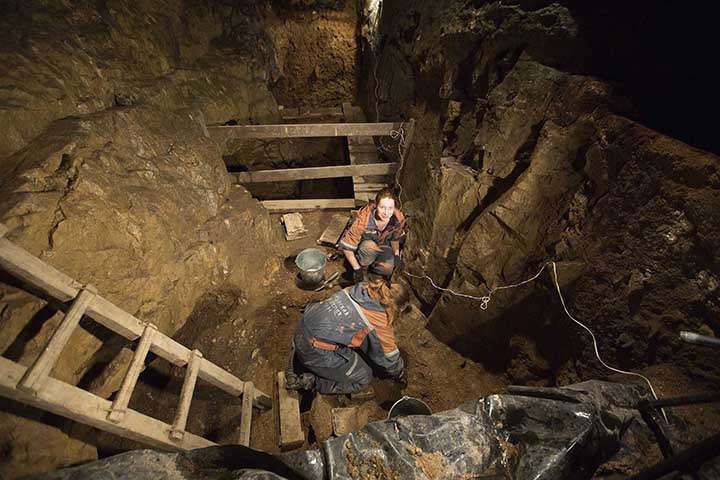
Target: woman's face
x=385 y=209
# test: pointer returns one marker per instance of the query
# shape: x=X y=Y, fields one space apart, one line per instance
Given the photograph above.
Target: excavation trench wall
x=524 y=153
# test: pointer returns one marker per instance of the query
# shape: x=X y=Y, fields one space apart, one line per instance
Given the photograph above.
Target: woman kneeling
x=342 y=339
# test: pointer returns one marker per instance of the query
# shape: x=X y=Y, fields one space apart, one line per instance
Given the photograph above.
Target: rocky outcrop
x=106 y=175
x=523 y=160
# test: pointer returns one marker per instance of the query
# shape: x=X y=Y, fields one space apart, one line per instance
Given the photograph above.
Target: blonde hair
x=391 y=297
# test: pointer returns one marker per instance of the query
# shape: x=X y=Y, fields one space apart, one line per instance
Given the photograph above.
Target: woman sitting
x=373 y=240
x=339 y=339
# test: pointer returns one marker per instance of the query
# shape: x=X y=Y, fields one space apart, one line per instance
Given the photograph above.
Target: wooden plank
x=371 y=187
x=290 y=432
x=299 y=114
x=224 y=380
x=36 y=375
x=186 y=394
x=81 y=406
x=308 y=204
x=335 y=228
x=122 y=399
x=308 y=173
x=303 y=130
x=362 y=148
x=246 y=415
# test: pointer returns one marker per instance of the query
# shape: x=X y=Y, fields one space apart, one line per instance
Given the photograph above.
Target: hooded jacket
x=353 y=319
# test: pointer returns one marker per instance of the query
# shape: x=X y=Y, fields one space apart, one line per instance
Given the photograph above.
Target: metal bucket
x=311 y=263
x=408 y=406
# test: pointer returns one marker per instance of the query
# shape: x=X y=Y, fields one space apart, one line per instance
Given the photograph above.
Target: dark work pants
x=379 y=259
x=337 y=371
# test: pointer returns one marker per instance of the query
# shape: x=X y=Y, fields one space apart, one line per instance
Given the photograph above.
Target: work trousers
x=378 y=259
x=337 y=371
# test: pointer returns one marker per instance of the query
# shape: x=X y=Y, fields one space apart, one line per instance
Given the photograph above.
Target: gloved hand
x=358 y=275
x=399 y=263
x=402 y=379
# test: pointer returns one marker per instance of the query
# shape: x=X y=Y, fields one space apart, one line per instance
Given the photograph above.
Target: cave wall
x=528 y=152
x=105 y=174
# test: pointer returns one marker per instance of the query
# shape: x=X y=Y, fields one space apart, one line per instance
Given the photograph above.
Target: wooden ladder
x=34 y=385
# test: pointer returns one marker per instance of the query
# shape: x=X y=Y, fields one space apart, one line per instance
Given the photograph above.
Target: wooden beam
x=299 y=114
x=81 y=406
x=36 y=375
x=290 y=432
x=303 y=130
x=246 y=415
x=308 y=173
x=309 y=204
x=122 y=399
x=186 y=394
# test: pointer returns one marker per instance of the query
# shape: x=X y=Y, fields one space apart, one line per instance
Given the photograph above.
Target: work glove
x=399 y=263
x=402 y=379
x=358 y=275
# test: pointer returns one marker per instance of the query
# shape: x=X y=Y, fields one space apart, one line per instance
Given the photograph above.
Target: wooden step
x=186 y=394
x=119 y=406
x=37 y=374
x=246 y=415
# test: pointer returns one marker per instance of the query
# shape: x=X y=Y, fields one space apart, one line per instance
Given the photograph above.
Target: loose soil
x=250 y=337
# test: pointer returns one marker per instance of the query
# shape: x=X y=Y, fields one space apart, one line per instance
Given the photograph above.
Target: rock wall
x=107 y=176
x=526 y=154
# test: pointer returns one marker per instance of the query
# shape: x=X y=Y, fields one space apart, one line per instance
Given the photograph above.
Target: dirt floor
x=251 y=338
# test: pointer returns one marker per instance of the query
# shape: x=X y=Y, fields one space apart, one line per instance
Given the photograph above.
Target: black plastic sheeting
x=532 y=433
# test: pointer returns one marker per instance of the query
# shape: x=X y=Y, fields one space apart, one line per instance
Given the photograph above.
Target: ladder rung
x=186 y=394
x=36 y=375
x=246 y=415
x=119 y=406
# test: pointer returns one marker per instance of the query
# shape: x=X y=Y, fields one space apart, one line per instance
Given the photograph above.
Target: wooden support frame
x=303 y=130
x=309 y=173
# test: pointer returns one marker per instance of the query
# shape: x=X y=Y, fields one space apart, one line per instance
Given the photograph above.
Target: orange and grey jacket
x=365 y=228
x=353 y=319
